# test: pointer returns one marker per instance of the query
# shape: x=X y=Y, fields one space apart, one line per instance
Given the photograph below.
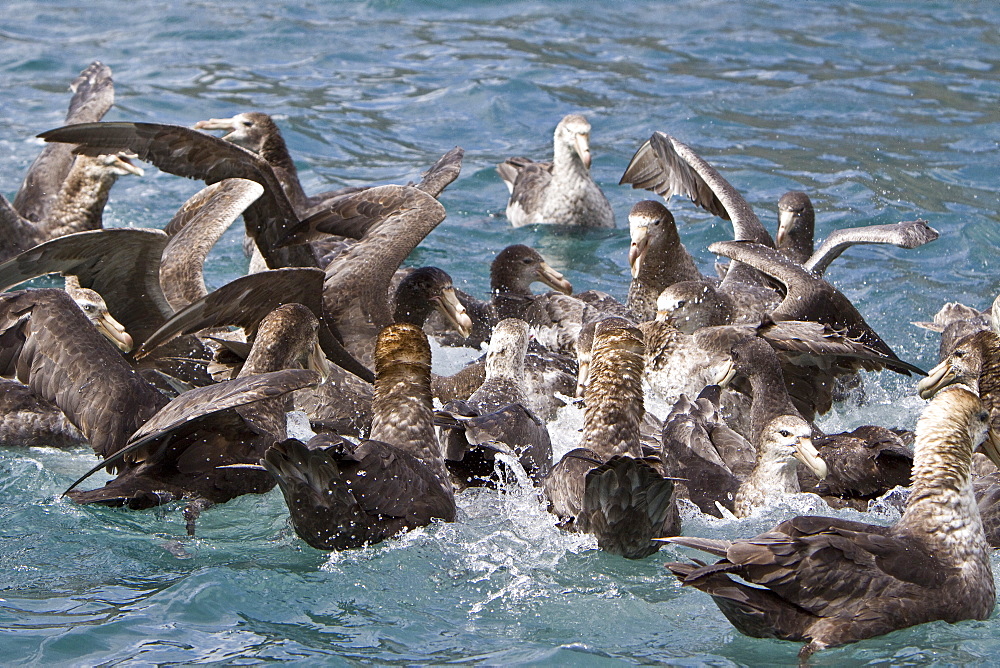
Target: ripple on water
x=882 y=114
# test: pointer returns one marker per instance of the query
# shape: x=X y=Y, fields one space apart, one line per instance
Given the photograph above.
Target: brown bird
x=605 y=487
x=342 y=496
x=47 y=342
x=199 y=444
x=827 y=581
x=63 y=193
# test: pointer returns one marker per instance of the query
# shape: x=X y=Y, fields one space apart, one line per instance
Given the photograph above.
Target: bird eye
x=785 y=433
x=526 y=260
x=959 y=353
x=681 y=303
x=983 y=416
x=247 y=124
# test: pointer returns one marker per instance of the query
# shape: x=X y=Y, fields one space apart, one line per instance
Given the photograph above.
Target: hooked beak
x=807 y=453
x=940 y=376
x=637 y=251
x=447 y=304
x=115 y=332
x=553 y=279
x=125 y=163
x=991 y=446
x=582 y=377
x=723 y=373
x=582 y=146
x=318 y=362
x=227 y=124
x=785 y=220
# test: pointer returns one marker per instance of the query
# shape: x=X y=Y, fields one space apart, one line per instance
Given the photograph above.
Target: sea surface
x=880 y=111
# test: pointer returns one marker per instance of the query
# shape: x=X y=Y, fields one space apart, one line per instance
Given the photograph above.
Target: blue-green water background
x=881 y=111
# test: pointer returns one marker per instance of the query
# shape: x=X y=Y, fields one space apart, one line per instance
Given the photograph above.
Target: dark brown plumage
x=356 y=288
x=828 y=581
x=512 y=272
x=862 y=465
x=121 y=265
x=497 y=412
x=708 y=458
x=93 y=95
x=796 y=225
x=811 y=298
x=192 y=154
x=657 y=257
x=257 y=132
x=27 y=420
x=604 y=486
x=194 y=230
x=780 y=435
x=342 y=496
x=183 y=450
x=669 y=167
x=63 y=193
x=48 y=344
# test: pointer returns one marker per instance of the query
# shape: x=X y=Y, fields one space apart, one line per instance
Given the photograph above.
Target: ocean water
x=881 y=111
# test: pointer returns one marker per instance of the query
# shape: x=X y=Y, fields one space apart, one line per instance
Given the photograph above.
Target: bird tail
x=323 y=509
x=754 y=611
x=627 y=504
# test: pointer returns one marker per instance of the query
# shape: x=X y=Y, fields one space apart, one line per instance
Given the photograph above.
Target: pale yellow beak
x=582 y=145
x=318 y=362
x=227 y=124
x=554 y=279
x=582 y=377
x=453 y=311
x=939 y=377
x=124 y=162
x=723 y=373
x=807 y=453
x=637 y=251
x=785 y=219
x=115 y=332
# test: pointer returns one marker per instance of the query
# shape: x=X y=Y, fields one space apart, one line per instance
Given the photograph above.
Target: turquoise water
x=880 y=114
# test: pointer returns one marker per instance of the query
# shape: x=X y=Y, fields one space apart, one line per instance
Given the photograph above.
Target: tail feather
x=324 y=510
x=754 y=611
x=716 y=548
x=627 y=504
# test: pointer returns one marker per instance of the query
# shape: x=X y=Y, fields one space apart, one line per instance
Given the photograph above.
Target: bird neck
x=275 y=152
x=776 y=476
x=403 y=413
x=666 y=262
x=614 y=403
x=566 y=164
x=942 y=508
x=411 y=308
x=505 y=367
x=770 y=397
x=270 y=352
x=770 y=478
x=80 y=204
x=662 y=338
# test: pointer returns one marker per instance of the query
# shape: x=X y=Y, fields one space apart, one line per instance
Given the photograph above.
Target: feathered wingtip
x=714 y=547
